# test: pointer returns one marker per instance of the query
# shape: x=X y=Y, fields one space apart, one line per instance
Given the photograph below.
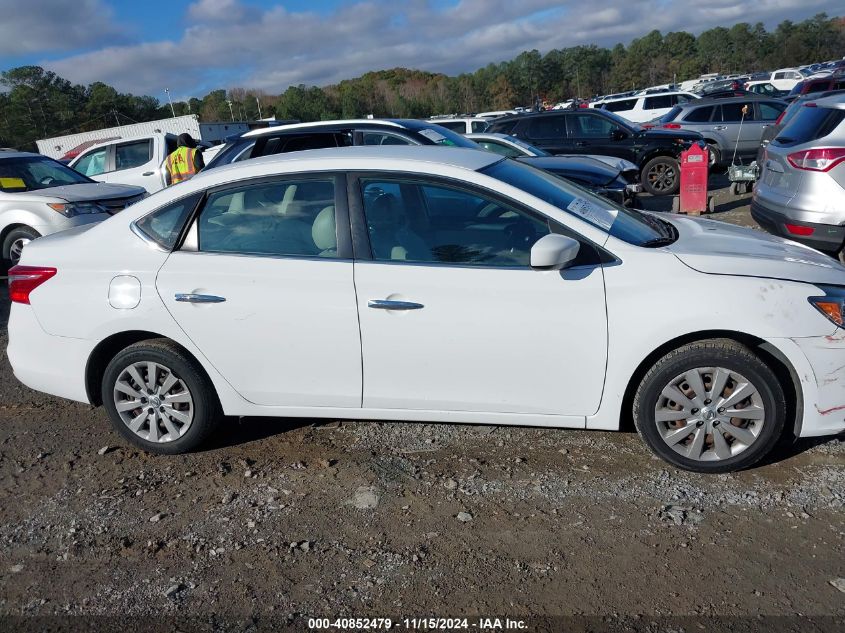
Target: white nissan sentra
x=437 y=284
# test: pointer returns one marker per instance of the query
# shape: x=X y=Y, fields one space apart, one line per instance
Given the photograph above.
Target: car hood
x=84 y=192
x=589 y=169
x=657 y=133
x=718 y=248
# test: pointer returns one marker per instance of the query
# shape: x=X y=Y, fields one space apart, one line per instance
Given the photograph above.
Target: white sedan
x=431 y=283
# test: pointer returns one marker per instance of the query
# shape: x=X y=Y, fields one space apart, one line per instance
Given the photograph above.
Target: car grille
x=114 y=205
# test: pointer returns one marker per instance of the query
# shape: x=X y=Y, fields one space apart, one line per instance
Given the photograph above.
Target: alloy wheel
x=153 y=402
x=662 y=177
x=709 y=414
x=16 y=250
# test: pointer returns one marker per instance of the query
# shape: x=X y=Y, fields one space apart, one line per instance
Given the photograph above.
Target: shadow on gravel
x=239 y=431
x=788 y=450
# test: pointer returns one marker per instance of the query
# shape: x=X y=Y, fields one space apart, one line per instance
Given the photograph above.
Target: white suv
x=642 y=108
x=463 y=125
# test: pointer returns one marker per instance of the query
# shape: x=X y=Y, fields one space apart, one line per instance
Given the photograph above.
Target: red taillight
x=672 y=126
x=24 y=279
x=794 y=229
x=819 y=159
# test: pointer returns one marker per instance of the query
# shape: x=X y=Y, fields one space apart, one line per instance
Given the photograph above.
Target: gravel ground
x=282 y=520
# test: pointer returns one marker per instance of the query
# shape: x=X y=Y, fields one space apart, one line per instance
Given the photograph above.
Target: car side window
x=135 y=154
x=732 y=112
x=456 y=126
x=427 y=222
x=93 y=163
x=551 y=127
x=479 y=126
x=780 y=75
x=699 y=115
x=662 y=101
x=770 y=111
x=677 y=99
x=384 y=138
x=620 y=106
x=501 y=149
x=164 y=225
x=592 y=126
x=289 y=217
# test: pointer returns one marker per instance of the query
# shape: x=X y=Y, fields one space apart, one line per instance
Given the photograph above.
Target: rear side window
x=479 y=126
x=671 y=115
x=620 y=106
x=699 y=115
x=809 y=124
x=135 y=154
x=456 y=126
x=548 y=127
x=732 y=112
x=164 y=225
x=770 y=111
x=662 y=101
x=504 y=127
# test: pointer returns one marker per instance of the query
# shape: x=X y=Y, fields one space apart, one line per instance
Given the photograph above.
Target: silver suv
x=801 y=191
x=39 y=195
x=718 y=121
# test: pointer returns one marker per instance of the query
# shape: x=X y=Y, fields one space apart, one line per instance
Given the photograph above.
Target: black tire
x=661 y=176
x=723 y=353
x=207 y=412
x=715 y=156
x=15 y=235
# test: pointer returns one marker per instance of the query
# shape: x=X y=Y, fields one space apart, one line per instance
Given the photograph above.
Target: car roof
x=753 y=96
x=363 y=157
x=16 y=154
x=836 y=101
x=328 y=125
x=645 y=95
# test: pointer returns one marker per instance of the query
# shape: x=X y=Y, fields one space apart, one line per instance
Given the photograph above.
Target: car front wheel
x=710 y=406
x=159 y=398
x=661 y=176
x=15 y=241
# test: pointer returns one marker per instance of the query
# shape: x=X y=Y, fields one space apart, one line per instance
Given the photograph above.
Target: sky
x=193 y=47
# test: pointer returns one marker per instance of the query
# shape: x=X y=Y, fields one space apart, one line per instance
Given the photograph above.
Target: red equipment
x=694 y=170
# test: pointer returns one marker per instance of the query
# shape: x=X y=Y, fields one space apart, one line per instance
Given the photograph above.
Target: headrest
x=324 y=231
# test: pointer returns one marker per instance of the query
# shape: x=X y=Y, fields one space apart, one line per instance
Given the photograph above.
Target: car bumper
x=824 y=237
x=823 y=383
x=52 y=364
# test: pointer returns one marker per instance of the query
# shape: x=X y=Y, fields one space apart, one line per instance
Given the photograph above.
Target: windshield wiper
x=658 y=241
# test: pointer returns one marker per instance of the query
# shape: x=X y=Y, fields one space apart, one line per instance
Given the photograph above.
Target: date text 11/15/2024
x=417 y=624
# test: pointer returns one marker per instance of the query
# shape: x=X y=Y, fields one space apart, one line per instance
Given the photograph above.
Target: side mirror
x=618 y=135
x=554 y=252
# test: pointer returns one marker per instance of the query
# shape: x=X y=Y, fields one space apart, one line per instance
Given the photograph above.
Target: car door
x=740 y=127
x=547 y=131
x=134 y=164
x=263 y=286
x=592 y=133
x=452 y=316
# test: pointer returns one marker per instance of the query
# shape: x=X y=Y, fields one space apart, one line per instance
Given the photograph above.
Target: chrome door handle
x=189 y=297
x=720 y=127
x=385 y=304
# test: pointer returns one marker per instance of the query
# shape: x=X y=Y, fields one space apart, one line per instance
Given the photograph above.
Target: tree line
x=36 y=103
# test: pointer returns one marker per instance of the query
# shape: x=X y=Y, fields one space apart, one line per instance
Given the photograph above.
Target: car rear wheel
x=15 y=242
x=159 y=398
x=710 y=406
x=714 y=156
x=661 y=176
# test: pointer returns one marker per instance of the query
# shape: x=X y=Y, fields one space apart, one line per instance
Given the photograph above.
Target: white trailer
x=61 y=146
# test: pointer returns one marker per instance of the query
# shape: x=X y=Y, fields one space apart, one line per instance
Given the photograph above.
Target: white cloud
x=227 y=43
x=39 y=26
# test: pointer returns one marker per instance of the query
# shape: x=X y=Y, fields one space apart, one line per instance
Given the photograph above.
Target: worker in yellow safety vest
x=185 y=161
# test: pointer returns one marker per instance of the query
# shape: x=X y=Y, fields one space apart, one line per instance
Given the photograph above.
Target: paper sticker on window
x=432 y=135
x=12 y=183
x=593 y=213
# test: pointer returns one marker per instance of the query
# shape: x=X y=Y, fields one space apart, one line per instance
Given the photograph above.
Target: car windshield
x=30 y=173
x=627 y=225
x=671 y=115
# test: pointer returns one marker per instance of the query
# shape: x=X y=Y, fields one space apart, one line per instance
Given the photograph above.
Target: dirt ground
x=281 y=521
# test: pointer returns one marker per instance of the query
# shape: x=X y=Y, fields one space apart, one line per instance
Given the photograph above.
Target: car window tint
x=479 y=126
x=699 y=115
x=770 y=111
x=135 y=154
x=676 y=99
x=501 y=149
x=733 y=112
x=662 y=101
x=164 y=225
x=415 y=221
x=553 y=127
x=93 y=163
x=809 y=124
x=620 y=106
x=594 y=126
x=382 y=138
x=291 y=217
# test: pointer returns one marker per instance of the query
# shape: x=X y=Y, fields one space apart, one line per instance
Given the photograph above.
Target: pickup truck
x=128 y=161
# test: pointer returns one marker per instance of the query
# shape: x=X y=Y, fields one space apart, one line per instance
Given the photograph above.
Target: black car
x=324 y=134
x=592 y=174
x=594 y=131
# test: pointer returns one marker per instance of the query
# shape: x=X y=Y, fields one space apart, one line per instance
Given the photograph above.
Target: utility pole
x=258 y=102
x=172 y=111
x=231 y=112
